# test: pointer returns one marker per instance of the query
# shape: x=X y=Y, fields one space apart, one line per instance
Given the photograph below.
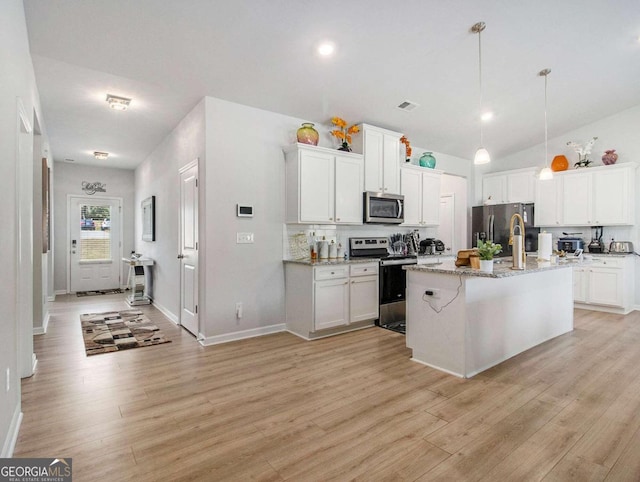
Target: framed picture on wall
x=149 y=219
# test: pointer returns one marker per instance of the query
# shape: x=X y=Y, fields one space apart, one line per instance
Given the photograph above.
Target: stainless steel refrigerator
x=492 y=222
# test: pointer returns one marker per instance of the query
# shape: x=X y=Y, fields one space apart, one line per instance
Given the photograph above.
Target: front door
x=95 y=240
x=189 y=247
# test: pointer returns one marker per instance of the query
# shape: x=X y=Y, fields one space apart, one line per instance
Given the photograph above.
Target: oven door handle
x=399 y=209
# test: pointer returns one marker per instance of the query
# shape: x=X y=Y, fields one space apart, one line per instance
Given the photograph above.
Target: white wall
x=158 y=176
x=17 y=81
x=245 y=164
x=67 y=179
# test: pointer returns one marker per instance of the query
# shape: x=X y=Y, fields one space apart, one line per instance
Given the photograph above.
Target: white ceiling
x=167 y=55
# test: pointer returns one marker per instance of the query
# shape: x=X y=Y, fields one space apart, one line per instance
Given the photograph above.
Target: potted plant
x=487 y=250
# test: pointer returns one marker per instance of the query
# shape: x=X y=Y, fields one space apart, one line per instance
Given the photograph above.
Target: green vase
x=307 y=134
x=427 y=160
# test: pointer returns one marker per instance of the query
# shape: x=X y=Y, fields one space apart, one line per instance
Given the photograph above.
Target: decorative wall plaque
x=93 y=187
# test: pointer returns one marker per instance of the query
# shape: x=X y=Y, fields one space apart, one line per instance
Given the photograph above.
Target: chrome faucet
x=517 y=241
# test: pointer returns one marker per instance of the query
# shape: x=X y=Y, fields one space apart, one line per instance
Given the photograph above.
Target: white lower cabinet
x=605 y=284
x=327 y=300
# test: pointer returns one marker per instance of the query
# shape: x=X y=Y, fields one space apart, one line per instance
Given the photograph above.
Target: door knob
x=180 y=256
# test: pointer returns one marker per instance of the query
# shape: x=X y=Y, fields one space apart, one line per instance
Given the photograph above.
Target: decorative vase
x=345 y=147
x=609 y=157
x=427 y=160
x=583 y=161
x=560 y=163
x=307 y=134
x=486 y=265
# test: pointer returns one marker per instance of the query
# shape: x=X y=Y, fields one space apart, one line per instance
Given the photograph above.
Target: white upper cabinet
x=547 y=206
x=517 y=186
x=595 y=196
x=323 y=186
x=421 y=190
x=381 y=151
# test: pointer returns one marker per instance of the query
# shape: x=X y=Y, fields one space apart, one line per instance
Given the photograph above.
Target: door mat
x=118 y=330
x=100 y=292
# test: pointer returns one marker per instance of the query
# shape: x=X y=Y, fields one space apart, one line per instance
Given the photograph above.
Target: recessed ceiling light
x=487 y=116
x=101 y=156
x=326 y=49
x=118 y=103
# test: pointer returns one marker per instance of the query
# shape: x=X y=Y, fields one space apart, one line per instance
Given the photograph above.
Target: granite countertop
x=614 y=255
x=500 y=270
x=331 y=262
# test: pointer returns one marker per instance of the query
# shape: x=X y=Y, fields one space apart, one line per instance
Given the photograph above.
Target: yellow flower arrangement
x=343 y=133
x=407 y=144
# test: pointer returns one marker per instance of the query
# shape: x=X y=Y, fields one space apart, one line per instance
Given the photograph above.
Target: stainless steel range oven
x=392 y=279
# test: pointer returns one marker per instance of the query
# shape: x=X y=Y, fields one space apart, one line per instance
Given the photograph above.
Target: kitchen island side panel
x=487 y=320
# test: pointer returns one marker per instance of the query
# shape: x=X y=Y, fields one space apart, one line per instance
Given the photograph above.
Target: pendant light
x=546 y=173
x=482 y=155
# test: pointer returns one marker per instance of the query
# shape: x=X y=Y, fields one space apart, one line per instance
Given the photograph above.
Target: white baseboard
x=41 y=330
x=12 y=434
x=51 y=298
x=172 y=317
x=59 y=292
x=241 y=335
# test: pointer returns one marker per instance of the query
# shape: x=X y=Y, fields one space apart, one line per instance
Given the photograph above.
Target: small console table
x=139 y=280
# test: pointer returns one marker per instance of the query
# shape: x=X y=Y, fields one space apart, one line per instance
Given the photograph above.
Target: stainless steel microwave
x=382 y=208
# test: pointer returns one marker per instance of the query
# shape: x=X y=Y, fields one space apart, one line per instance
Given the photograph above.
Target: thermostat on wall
x=245 y=211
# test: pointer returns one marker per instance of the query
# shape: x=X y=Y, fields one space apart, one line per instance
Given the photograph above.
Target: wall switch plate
x=8 y=379
x=244 y=238
x=238 y=310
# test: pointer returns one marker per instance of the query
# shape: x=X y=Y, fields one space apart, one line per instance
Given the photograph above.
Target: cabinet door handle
x=337 y=219
x=330 y=219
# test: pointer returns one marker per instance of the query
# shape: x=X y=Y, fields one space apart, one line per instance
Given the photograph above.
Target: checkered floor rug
x=99 y=292
x=118 y=330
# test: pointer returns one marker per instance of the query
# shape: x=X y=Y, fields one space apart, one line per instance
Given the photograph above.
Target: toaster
x=621 y=247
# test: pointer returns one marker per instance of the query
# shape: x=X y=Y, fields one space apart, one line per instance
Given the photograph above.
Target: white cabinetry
x=605 y=284
x=513 y=186
x=323 y=186
x=421 y=190
x=597 y=196
x=381 y=151
x=326 y=300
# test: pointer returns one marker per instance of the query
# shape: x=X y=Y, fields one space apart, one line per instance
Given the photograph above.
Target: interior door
x=446 y=229
x=188 y=255
x=95 y=243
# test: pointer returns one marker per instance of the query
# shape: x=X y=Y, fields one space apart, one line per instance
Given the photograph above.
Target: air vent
x=408 y=106
x=67 y=159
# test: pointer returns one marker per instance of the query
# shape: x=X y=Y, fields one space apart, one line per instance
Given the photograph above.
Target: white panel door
x=373 y=152
x=188 y=255
x=430 y=199
x=446 y=229
x=363 y=298
x=331 y=303
x=411 y=189
x=349 y=187
x=611 y=203
x=317 y=198
x=95 y=243
x=576 y=199
x=391 y=164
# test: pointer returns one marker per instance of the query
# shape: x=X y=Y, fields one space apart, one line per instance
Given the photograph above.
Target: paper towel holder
x=545 y=249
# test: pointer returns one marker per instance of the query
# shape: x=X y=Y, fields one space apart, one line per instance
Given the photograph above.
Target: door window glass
x=95 y=232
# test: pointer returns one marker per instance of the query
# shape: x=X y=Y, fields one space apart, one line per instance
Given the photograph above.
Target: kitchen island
x=463 y=321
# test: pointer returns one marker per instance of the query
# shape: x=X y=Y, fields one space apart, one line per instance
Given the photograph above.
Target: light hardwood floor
x=349 y=407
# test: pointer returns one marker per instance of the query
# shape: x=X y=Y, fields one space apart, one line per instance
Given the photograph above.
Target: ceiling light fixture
x=546 y=172
x=101 y=156
x=326 y=49
x=482 y=155
x=118 y=103
x=487 y=116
